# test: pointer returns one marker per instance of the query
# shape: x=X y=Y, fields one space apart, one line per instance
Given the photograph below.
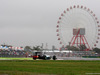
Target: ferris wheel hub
x=79 y=31
x=81 y=24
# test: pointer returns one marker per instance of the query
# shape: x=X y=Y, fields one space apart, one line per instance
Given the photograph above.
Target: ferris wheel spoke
x=79 y=18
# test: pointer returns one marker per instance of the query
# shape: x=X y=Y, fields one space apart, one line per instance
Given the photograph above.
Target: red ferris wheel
x=77 y=26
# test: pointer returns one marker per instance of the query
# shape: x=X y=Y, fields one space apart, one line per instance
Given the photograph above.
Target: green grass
x=10 y=58
x=48 y=67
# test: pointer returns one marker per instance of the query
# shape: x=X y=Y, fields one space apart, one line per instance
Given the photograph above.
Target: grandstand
x=10 y=51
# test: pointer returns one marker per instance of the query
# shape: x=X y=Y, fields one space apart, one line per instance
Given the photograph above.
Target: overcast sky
x=33 y=22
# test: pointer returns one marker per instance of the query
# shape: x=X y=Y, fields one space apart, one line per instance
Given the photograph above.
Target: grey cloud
x=31 y=22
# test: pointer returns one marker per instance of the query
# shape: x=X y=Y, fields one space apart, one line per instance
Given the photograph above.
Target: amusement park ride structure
x=79 y=38
x=78 y=26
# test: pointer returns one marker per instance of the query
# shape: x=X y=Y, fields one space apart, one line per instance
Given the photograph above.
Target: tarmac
x=58 y=58
x=76 y=58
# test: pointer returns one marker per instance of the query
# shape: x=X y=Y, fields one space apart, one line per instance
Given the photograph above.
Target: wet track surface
x=76 y=58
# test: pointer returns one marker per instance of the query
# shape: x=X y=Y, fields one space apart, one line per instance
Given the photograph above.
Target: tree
x=97 y=50
x=73 y=48
x=82 y=47
x=27 y=48
x=36 y=48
